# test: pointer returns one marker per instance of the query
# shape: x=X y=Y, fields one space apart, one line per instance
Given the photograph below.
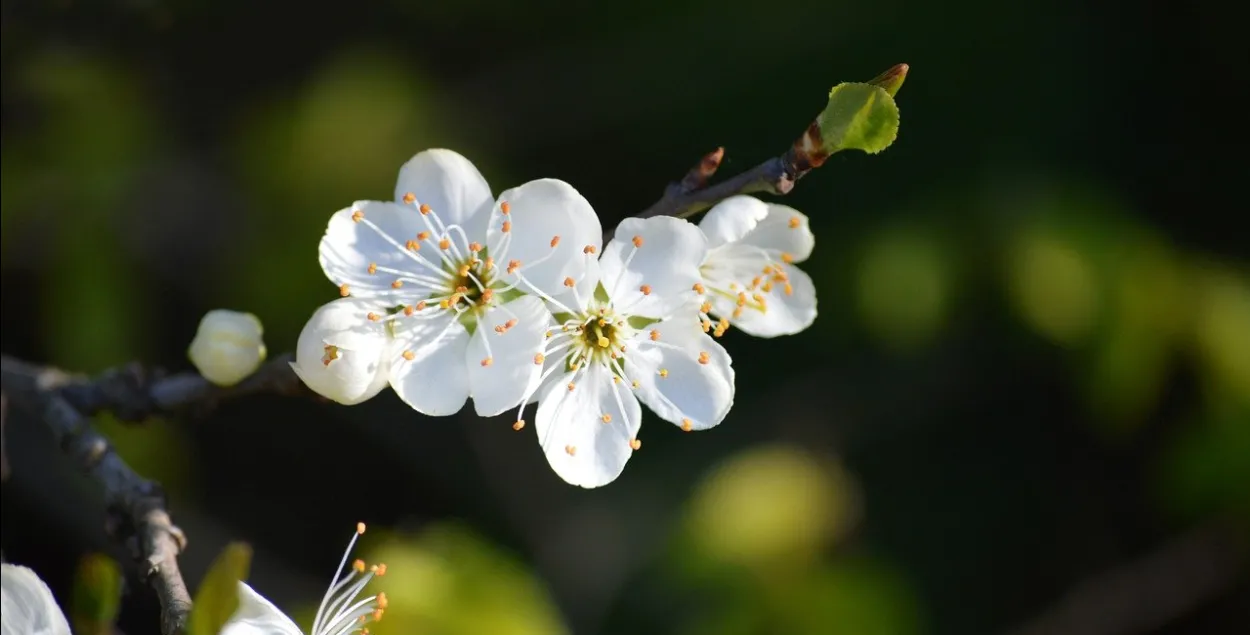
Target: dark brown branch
x=138 y=503
x=1144 y=595
x=132 y=393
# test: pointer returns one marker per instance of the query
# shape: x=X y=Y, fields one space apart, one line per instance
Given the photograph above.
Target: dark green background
x=1032 y=361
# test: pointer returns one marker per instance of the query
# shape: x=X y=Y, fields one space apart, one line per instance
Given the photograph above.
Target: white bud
x=341 y=354
x=227 y=347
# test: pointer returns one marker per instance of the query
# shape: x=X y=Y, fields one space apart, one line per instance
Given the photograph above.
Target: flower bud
x=341 y=354
x=227 y=347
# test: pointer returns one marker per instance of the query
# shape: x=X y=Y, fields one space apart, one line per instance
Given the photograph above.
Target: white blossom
x=340 y=612
x=628 y=332
x=227 y=346
x=27 y=606
x=457 y=279
x=749 y=279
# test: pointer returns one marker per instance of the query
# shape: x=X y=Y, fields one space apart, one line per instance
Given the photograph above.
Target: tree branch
x=1144 y=595
x=138 y=503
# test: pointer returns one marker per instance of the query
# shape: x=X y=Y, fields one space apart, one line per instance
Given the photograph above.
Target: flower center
x=597 y=336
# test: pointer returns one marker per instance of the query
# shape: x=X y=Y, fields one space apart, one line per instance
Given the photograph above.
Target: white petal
x=658 y=279
x=731 y=219
x=512 y=372
x=540 y=213
x=784 y=230
x=786 y=314
x=349 y=247
x=357 y=365
x=451 y=185
x=27 y=606
x=683 y=375
x=435 y=381
x=258 y=616
x=581 y=448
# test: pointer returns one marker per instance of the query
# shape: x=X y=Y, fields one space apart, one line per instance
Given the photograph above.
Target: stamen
x=788 y=289
x=409 y=198
x=645 y=289
x=397 y=284
x=345 y=290
x=635 y=444
x=663 y=372
x=538 y=358
x=409 y=355
x=555 y=240
x=425 y=209
x=444 y=244
x=787 y=258
x=687 y=425
x=423 y=236
x=607 y=418
x=570 y=449
x=655 y=336
x=475 y=247
x=507 y=226
x=357 y=215
x=513 y=265
x=504 y=207
x=698 y=288
x=572 y=386
x=637 y=241
x=568 y=282
x=373 y=317
x=703 y=358
x=373 y=268
x=332 y=353
x=520 y=423
x=794 y=222
x=413 y=245
x=588 y=250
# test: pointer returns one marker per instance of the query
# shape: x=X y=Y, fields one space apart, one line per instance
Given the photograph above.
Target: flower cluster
x=451 y=294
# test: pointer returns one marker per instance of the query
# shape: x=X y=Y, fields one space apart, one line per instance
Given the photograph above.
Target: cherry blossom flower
x=748 y=278
x=458 y=281
x=27 y=606
x=628 y=332
x=340 y=612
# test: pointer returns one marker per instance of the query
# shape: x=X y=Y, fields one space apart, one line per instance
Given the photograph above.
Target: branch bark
x=139 y=504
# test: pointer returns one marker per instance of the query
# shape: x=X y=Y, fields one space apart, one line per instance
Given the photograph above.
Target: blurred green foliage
x=217 y=596
x=97 y=595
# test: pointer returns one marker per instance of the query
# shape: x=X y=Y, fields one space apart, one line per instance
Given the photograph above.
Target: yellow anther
x=487 y=295
x=703 y=358
x=603 y=342
x=616 y=379
x=572 y=386
x=795 y=222
x=637 y=241
x=489 y=264
x=588 y=249
x=462 y=289
x=409 y=355
x=645 y=289
x=413 y=245
x=382 y=601
x=737 y=313
x=425 y=208
x=463 y=270
x=602 y=323
x=606 y=418
x=742 y=299
x=787 y=258
x=359 y=565
x=569 y=282
x=635 y=444
x=635 y=384
x=377 y=615
x=488 y=361
x=345 y=290
x=373 y=317
x=570 y=449
x=655 y=336
x=421 y=305
x=379 y=569
x=444 y=303
x=706 y=307
x=373 y=268
x=788 y=289
x=475 y=247
x=409 y=197
x=423 y=235
x=409 y=310
x=687 y=425
x=510 y=323
x=698 y=287
x=444 y=244
x=397 y=284
x=357 y=215
x=663 y=372
x=768 y=287
x=505 y=207
x=332 y=353
x=507 y=226
x=539 y=358
x=520 y=423
x=500 y=329
x=513 y=265
x=555 y=240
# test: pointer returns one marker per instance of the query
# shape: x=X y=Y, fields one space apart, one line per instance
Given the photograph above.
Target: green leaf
x=218 y=595
x=638 y=322
x=96 y=595
x=891 y=80
x=601 y=294
x=858 y=117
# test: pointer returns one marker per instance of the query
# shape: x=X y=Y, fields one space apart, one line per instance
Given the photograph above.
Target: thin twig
x=1144 y=595
x=137 y=502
